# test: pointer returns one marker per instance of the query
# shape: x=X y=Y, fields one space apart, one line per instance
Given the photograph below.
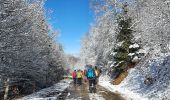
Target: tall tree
x=151 y=24
x=124 y=37
x=27 y=51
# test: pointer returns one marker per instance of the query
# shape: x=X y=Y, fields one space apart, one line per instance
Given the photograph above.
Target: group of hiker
x=90 y=74
x=78 y=76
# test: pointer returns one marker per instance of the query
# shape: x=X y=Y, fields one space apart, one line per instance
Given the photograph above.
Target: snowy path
x=82 y=93
x=65 y=90
x=96 y=97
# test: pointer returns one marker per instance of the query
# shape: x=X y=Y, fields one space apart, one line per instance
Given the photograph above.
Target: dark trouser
x=74 y=79
x=92 y=85
x=79 y=81
x=97 y=80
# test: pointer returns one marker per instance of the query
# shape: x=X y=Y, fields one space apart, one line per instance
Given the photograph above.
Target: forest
x=129 y=39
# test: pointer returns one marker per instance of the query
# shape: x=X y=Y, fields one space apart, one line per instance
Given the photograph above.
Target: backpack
x=90 y=73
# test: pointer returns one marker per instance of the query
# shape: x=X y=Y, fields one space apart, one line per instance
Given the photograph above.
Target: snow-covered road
x=82 y=93
x=65 y=90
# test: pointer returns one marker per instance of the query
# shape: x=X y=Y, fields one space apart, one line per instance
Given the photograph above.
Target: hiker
x=85 y=76
x=92 y=78
x=79 y=77
x=97 y=73
x=74 y=75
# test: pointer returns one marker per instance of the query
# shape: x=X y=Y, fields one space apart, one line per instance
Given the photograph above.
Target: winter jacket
x=79 y=74
x=74 y=75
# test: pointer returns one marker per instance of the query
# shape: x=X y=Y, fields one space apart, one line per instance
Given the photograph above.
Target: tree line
x=123 y=29
x=29 y=52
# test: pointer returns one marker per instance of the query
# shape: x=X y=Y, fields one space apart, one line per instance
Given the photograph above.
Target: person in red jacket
x=74 y=75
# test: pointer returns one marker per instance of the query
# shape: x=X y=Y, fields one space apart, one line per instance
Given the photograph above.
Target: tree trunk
x=6 y=89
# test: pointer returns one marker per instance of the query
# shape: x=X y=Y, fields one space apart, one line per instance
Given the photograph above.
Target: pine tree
x=124 y=37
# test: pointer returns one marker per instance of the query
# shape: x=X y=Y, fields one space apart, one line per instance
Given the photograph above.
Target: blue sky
x=72 y=18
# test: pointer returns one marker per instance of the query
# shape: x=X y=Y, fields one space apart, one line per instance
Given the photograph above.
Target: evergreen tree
x=124 y=37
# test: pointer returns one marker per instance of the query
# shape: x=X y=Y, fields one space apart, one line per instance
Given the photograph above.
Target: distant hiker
x=82 y=73
x=79 y=77
x=92 y=78
x=74 y=75
x=85 y=76
x=85 y=72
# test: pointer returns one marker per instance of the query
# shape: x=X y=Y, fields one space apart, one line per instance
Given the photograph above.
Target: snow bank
x=133 y=86
x=50 y=93
x=129 y=95
x=158 y=68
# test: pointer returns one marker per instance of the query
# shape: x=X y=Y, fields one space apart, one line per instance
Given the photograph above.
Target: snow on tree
x=71 y=64
x=134 y=56
x=27 y=51
x=151 y=23
x=97 y=43
x=151 y=27
x=124 y=37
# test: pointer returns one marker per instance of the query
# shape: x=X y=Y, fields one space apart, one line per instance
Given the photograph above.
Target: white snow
x=120 y=43
x=113 y=53
x=113 y=64
x=167 y=1
x=142 y=51
x=129 y=95
x=48 y=98
x=104 y=78
x=42 y=94
x=109 y=62
x=95 y=96
x=134 y=46
x=135 y=59
x=131 y=54
x=119 y=63
x=133 y=87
